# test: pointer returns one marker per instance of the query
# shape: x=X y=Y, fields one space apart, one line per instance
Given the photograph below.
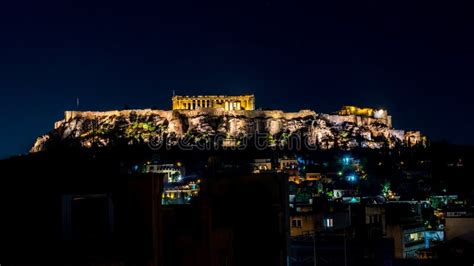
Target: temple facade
x=228 y=103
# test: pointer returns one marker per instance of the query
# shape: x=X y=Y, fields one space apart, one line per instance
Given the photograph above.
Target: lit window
x=328 y=223
x=418 y=236
x=296 y=223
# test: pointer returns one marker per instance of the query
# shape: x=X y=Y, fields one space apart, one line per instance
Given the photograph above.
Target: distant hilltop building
x=379 y=115
x=228 y=103
x=369 y=112
x=229 y=120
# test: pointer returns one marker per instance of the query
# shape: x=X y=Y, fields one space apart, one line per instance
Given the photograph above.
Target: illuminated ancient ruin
x=228 y=103
x=380 y=114
x=229 y=120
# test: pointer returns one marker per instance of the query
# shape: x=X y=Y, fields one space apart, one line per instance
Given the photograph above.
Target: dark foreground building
x=75 y=208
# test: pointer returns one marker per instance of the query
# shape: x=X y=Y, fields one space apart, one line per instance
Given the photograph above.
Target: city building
x=405 y=226
x=107 y=212
x=458 y=224
x=408 y=239
x=313 y=176
x=172 y=172
x=301 y=220
x=288 y=163
x=261 y=165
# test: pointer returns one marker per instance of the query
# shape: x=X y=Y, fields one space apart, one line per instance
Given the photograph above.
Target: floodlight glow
x=351 y=178
x=346 y=160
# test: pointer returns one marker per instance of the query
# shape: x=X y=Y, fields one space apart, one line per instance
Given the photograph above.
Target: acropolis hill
x=232 y=118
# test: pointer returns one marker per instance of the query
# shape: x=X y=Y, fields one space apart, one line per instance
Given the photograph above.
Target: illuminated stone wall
x=88 y=129
x=366 y=115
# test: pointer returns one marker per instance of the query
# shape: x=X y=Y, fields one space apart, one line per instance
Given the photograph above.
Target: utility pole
x=345 y=238
x=314 y=247
x=345 y=248
x=156 y=216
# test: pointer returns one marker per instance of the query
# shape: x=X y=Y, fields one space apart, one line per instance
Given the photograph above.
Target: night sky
x=414 y=58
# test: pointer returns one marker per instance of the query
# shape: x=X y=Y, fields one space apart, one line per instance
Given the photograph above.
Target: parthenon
x=240 y=102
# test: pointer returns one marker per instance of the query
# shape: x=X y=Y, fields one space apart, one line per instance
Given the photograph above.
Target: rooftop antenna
x=77 y=103
x=174 y=93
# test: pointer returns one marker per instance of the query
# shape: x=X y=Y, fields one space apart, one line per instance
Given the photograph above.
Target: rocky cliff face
x=216 y=126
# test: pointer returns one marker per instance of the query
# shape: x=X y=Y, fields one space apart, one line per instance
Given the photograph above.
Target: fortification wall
x=70 y=115
x=277 y=114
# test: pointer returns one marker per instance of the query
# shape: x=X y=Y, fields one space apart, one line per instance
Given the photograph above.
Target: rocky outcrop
x=129 y=127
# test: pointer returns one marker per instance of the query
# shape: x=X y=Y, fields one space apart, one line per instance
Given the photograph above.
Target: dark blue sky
x=414 y=58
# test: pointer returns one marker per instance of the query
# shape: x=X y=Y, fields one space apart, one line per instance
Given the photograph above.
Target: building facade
x=228 y=103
